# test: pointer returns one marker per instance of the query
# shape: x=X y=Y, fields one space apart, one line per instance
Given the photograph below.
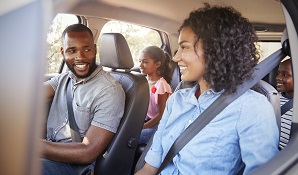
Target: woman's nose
x=176 y=57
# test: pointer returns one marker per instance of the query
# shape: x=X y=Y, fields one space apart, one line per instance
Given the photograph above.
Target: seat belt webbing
x=74 y=129
x=287 y=106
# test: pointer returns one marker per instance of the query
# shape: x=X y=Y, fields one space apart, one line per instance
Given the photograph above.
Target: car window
x=267 y=48
x=136 y=36
x=54 y=58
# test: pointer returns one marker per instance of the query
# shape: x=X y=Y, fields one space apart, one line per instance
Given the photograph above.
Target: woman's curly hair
x=229 y=45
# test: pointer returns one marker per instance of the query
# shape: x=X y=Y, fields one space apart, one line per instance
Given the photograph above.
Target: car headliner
x=167 y=15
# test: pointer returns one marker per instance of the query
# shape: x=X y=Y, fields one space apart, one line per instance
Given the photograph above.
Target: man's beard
x=92 y=67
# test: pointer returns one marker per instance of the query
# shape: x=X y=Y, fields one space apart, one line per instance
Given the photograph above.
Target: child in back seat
x=285 y=87
x=155 y=64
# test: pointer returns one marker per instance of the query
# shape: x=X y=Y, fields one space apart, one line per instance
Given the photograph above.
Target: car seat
x=114 y=53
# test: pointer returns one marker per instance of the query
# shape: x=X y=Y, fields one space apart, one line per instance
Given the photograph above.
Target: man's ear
x=62 y=51
x=95 y=49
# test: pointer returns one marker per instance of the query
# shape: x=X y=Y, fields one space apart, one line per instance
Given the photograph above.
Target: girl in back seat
x=155 y=64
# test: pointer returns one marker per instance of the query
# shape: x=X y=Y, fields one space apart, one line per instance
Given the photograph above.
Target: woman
x=155 y=64
x=217 y=50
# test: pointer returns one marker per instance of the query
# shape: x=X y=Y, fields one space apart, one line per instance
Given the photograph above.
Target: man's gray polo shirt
x=97 y=100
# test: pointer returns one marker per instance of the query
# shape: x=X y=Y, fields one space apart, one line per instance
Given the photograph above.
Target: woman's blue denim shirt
x=244 y=133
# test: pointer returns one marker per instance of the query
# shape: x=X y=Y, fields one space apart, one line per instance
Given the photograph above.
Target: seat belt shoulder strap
x=74 y=129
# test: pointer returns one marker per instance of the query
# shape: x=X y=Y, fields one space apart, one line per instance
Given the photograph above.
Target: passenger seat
x=114 y=53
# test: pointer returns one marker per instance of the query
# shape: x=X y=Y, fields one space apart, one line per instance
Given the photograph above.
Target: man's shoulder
x=105 y=81
x=105 y=77
x=58 y=78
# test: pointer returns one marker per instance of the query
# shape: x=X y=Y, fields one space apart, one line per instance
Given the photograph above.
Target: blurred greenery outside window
x=54 y=57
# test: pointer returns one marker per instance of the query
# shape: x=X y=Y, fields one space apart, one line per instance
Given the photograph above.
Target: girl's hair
x=157 y=54
x=229 y=45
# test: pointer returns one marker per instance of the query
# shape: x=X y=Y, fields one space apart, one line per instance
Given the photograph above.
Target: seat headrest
x=114 y=51
x=285 y=43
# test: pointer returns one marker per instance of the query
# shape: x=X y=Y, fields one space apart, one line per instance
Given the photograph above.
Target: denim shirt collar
x=188 y=95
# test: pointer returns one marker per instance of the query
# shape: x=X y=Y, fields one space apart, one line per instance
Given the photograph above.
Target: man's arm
x=94 y=142
x=147 y=170
x=49 y=92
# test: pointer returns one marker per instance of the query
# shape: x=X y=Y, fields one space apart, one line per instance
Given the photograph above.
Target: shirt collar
x=85 y=80
x=188 y=94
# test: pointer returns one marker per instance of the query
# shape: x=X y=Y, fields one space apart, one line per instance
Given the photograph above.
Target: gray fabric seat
x=114 y=53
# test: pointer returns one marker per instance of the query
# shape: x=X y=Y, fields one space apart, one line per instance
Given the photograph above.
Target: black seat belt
x=74 y=129
x=262 y=69
x=287 y=106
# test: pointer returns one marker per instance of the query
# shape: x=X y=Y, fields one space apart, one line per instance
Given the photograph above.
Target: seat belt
x=287 y=106
x=262 y=69
x=74 y=129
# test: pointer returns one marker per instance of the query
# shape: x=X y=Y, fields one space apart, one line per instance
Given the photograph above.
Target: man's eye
x=87 y=50
x=71 y=51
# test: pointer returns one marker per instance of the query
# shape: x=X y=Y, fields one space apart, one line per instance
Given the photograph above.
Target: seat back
x=272 y=95
x=114 y=53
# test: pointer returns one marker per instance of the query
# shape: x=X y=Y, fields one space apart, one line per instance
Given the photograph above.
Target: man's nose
x=80 y=55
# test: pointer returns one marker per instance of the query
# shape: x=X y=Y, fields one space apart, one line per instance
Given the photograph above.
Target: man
x=98 y=105
x=285 y=86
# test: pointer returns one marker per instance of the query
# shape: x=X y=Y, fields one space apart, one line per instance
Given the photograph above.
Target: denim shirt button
x=189 y=121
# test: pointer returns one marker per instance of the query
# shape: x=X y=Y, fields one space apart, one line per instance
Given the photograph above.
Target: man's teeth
x=81 y=65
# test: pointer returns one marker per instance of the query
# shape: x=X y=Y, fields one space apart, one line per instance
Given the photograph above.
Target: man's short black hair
x=76 y=28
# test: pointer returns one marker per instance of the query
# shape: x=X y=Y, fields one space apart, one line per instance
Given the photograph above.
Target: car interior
x=25 y=47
